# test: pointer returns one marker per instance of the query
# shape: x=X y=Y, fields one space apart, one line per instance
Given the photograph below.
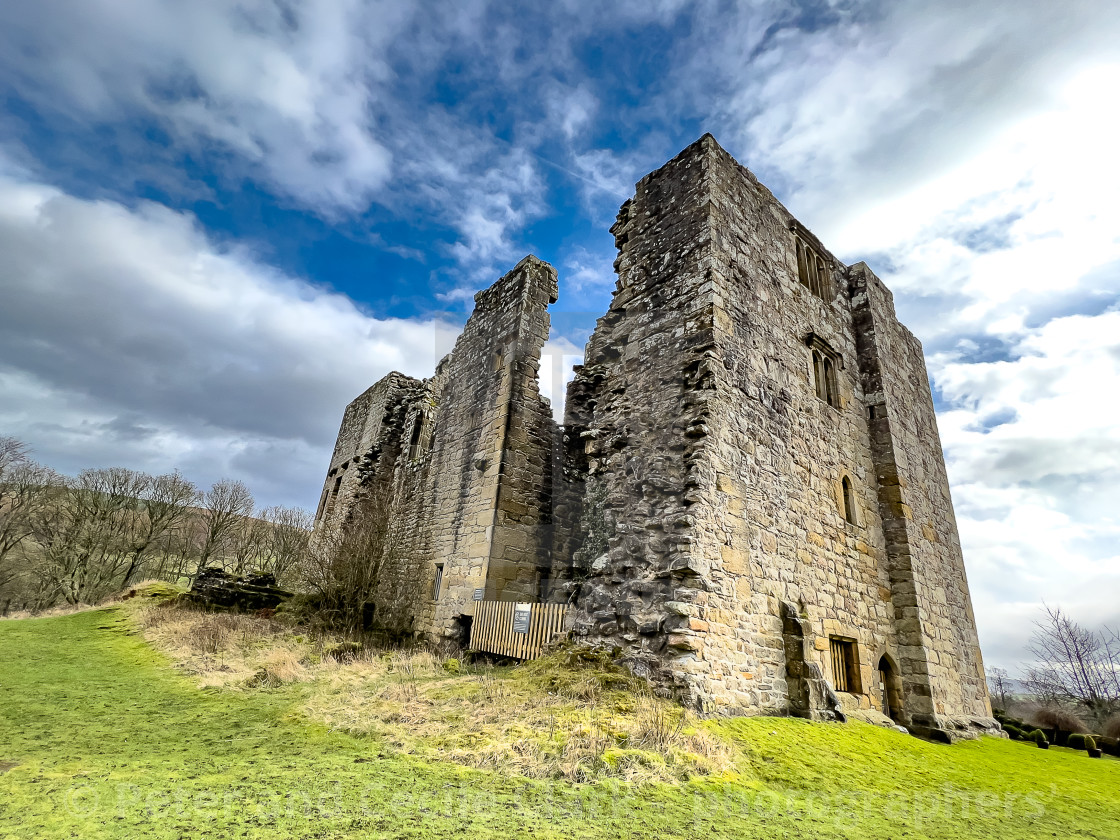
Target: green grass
x=111 y=742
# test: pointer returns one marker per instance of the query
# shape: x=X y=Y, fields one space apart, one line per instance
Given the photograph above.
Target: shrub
x=1060 y=720
x=1109 y=745
x=1013 y=732
x=1112 y=726
x=1077 y=742
x=1039 y=737
x=451 y=666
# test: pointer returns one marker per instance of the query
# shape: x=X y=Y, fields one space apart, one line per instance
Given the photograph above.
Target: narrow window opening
x=845 y=665
x=824 y=378
x=437 y=584
x=802 y=268
x=417 y=433
x=849 y=501
x=813 y=270
x=322 y=504
x=334 y=495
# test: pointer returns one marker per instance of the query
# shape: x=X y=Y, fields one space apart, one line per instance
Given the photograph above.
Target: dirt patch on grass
x=5 y=766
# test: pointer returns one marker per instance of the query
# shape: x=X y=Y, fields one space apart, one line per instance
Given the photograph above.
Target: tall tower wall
x=729 y=442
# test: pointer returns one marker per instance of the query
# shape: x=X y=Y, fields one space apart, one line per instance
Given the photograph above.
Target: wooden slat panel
x=492 y=629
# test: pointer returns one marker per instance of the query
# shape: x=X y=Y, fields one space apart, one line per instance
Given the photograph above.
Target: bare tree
x=248 y=546
x=289 y=532
x=998 y=686
x=344 y=564
x=24 y=486
x=12 y=451
x=1075 y=664
x=166 y=503
x=225 y=504
x=82 y=534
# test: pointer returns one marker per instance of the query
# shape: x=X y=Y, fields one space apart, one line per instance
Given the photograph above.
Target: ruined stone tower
x=747 y=499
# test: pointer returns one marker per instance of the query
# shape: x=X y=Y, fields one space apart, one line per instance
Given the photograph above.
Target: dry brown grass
x=229 y=649
x=562 y=717
x=507 y=719
x=62 y=609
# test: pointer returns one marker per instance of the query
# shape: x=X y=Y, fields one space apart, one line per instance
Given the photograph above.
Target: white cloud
x=291 y=88
x=585 y=271
x=127 y=334
x=1033 y=451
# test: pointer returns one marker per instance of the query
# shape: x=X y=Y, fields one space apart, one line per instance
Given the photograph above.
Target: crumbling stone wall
x=492 y=463
x=748 y=487
x=458 y=467
x=737 y=481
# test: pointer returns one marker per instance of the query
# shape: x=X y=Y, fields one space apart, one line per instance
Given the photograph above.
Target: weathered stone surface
x=218 y=589
x=755 y=475
x=749 y=467
x=460 y=466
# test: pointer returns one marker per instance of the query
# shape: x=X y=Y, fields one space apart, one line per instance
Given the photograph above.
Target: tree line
x=77 y=539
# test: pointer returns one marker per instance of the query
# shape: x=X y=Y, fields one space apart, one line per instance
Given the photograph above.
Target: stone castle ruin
x=747 y=498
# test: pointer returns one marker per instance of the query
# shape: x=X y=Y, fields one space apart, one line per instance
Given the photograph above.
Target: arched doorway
x=890 y=687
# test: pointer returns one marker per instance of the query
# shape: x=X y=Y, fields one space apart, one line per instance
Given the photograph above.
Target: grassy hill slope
x=109 y=741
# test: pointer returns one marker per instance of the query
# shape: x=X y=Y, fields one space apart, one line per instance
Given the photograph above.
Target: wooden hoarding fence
x=520 y=631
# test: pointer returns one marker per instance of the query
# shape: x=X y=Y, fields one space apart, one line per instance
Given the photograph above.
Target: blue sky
x=220 y=221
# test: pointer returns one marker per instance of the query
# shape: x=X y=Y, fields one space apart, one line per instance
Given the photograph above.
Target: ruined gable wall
x=492 y=459
x=457 y=469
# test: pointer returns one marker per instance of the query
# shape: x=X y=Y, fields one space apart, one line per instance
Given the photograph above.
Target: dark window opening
x=824 y=378
x=845 y=665
x=333 y=495
x=417 y=433
x=438 y=583
x=890 y=688
x=849 y=501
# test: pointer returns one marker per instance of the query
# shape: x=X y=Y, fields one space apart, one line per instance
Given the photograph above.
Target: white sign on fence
x=522 y=614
